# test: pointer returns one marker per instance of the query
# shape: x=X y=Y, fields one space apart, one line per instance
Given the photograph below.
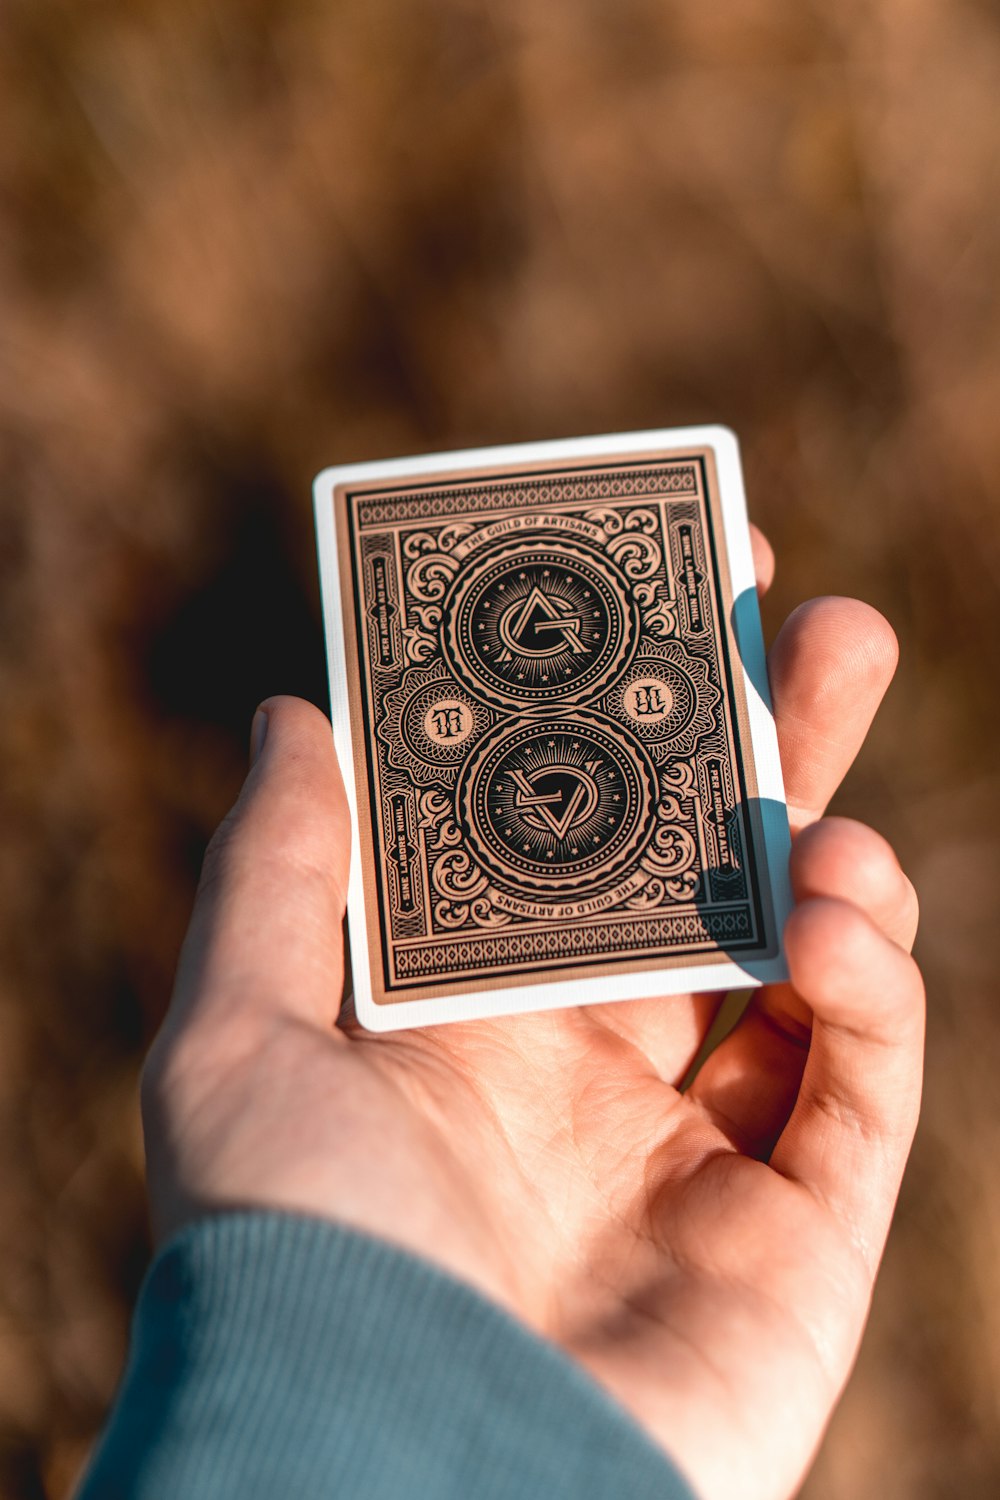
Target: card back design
x=551 y=749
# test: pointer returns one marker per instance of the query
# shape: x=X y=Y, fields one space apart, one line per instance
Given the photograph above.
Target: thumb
x=266 y=930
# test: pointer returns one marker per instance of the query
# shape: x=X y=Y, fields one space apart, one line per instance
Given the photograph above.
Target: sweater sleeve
x=277 y=1355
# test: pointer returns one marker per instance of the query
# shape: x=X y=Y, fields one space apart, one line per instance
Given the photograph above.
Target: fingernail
x=258 y=734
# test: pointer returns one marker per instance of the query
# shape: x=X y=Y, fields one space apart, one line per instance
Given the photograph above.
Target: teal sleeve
x=274 y=1355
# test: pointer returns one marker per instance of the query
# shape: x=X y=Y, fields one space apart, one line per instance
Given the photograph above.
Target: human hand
x=708 y=1256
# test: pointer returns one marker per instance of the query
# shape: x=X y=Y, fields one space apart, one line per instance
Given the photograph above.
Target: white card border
x=646 y=983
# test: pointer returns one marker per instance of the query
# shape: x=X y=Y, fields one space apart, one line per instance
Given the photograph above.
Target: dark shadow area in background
x=251 y=627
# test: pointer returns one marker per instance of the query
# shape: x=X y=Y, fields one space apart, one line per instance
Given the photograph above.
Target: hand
x=708 y=1256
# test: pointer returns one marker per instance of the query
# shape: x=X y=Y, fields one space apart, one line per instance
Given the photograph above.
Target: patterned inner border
x=647 y=937
x=679 y=479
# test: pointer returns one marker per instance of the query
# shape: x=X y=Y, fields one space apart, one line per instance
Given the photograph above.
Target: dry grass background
x=240 y=241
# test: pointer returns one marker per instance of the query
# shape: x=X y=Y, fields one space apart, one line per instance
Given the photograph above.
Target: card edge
x=724 y=443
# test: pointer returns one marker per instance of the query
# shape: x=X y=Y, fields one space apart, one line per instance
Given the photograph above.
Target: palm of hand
x=629 y=1227
x=547 y=1162
x=551 y=1161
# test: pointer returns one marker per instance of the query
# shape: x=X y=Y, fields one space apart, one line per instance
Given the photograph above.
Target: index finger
x=829 y=668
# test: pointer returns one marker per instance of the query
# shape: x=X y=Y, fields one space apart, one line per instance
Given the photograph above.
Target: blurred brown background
x=240 y=241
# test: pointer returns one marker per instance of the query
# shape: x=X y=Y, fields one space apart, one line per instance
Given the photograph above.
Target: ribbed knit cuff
x=280 y=1356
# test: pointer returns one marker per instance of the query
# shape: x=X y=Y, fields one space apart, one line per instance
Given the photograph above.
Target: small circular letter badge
x=448 y=722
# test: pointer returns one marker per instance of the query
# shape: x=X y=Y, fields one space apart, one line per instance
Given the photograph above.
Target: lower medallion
x=560 y=806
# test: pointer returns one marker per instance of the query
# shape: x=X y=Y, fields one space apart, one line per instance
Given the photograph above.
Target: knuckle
x=298 y=850
x=218 y=854
x=848 y=860
x=185 y=1067
x=852 y=974
x=912 y=906
x=840 y=1108
x=149 y=1080
x=882 y=1122
x=826 y=931
x=155 y=1081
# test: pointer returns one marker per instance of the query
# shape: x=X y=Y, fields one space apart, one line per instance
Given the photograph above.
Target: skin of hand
x=708 y=1256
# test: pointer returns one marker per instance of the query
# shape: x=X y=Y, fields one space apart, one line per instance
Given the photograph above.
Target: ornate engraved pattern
x=430 y=724
x=666 y=698
x=531 y=628
x=558 y=807
x=475 y=497
x=554 y=757
x=660 y=934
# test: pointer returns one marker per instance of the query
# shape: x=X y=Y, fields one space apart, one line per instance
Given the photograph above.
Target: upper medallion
x=527 y=626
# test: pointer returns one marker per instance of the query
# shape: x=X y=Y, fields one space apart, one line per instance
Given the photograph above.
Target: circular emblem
x=446 y=722
x=561 y=806
x=649 y=701
x=531 y=624
x=666 y=699
x=429 y=724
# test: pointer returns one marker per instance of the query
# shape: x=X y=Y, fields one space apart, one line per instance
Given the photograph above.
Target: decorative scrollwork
x=428 y=576
x=679 y=779
x=454 y=914
x=429 y=616
x=642 y=520
x=671 y=856
x=418 y=543
x=671 y=851
x=485 y=914
x=659 y=612
x=432 y=806
x=436 y=818
x=609 y=520
x=453 y=534
x=684 y=887
x=636 y=553
x=418 y=645
x=420 y=641
x=653 y=893
x=455 y=877
x=661 y=891
x=451 y=914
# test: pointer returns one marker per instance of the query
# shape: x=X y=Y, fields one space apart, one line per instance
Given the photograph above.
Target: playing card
x=551 y=710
